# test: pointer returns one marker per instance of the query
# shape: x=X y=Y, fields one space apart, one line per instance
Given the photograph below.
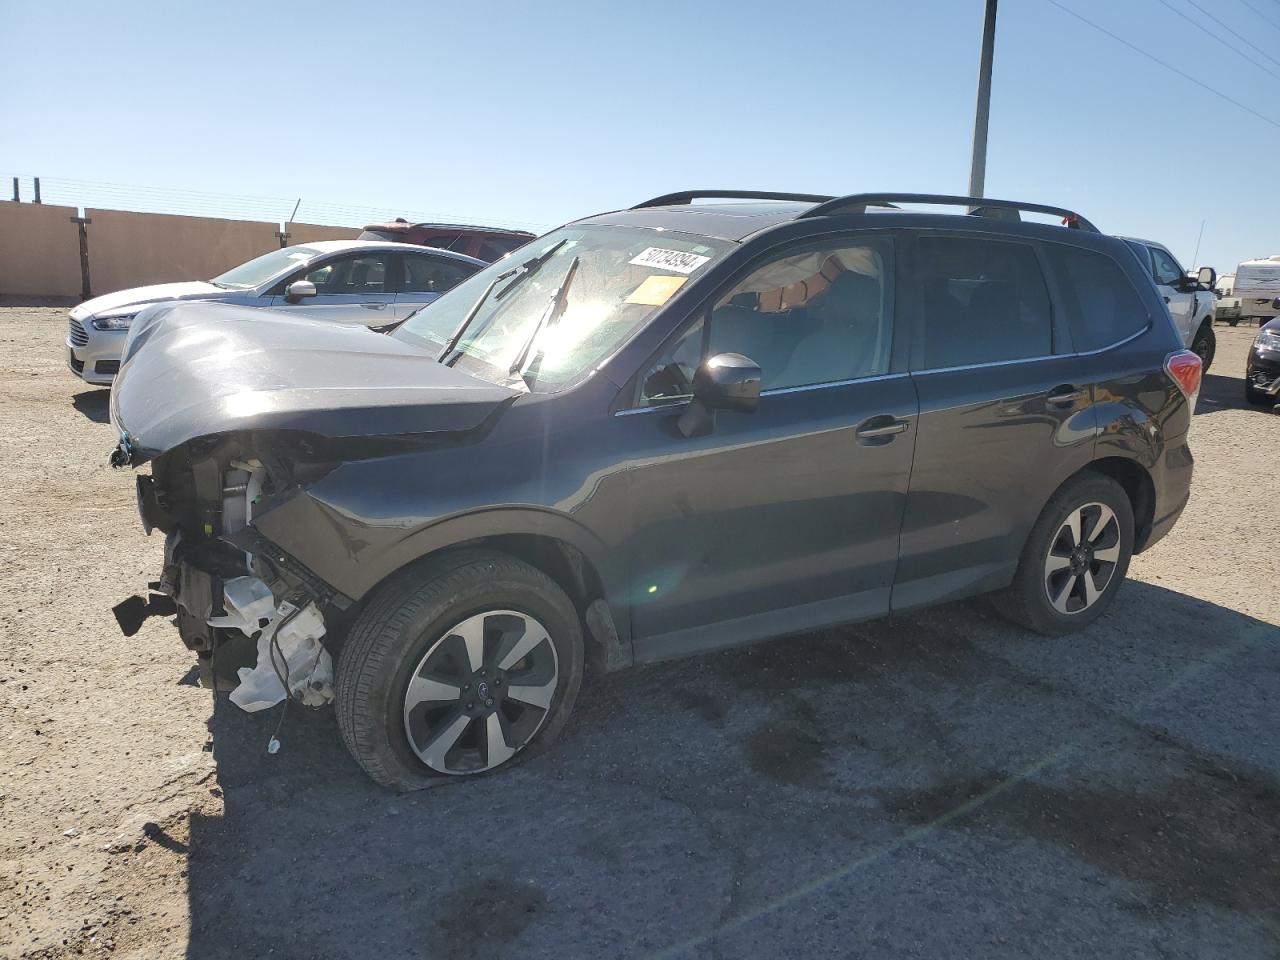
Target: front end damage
x=255 y=617
x=238 y=411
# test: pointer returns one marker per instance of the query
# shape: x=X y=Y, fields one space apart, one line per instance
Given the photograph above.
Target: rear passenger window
x=432 y=275
x=1101 y=305
x=984 y=301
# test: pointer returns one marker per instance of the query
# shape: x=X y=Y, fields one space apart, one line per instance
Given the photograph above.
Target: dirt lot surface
x=940 y=785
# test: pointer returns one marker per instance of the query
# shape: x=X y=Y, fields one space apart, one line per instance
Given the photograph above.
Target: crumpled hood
x=137 y=296
x=197 y=369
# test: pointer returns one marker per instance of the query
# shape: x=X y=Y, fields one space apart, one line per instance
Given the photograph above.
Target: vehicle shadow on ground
x=941 y=780
x=94 y=404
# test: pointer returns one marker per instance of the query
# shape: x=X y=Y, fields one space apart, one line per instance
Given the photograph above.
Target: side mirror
x=299 y=290
x=727 y=381
x=1207 y=275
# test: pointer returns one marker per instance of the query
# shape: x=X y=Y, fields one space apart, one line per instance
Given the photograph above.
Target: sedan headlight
x=1267 y=340
x=117 y=320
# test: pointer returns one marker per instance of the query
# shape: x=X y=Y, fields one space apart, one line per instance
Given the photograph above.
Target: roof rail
x=688 y=196
x=979 y=207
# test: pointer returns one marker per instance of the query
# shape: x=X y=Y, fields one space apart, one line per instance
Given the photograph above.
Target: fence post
x=83 y=222
x=37 y=181
x=17 y=195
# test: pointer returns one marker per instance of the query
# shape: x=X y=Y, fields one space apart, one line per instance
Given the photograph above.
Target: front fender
x=355 y=554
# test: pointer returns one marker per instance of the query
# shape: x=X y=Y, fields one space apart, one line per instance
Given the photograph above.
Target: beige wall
x=307 y=232
x=39 y=250
x=134 y=249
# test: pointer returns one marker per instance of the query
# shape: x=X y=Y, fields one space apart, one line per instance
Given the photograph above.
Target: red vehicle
x=485 y=243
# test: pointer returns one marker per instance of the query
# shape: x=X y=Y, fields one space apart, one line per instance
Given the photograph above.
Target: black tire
x=1233 y=321
x=1026 y=601
x=406 y=618
x=1205 y=345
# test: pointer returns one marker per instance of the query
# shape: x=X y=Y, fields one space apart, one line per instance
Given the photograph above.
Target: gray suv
x=658 y=431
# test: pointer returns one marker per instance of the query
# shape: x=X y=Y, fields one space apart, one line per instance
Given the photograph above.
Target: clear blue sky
x=538 y=112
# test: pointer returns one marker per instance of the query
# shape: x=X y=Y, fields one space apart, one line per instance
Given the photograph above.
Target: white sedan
x=373 y=283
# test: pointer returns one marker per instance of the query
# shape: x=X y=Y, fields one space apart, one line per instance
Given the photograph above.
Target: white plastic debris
x=297 y=653
x=249 y=605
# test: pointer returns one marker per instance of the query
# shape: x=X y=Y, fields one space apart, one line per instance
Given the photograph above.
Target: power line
x=1262 y=15
x=1168 y=66
x=144 y=199
x=1239 y=36
x=1205 y=30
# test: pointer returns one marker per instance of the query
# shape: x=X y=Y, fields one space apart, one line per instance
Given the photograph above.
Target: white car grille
x=79 y=337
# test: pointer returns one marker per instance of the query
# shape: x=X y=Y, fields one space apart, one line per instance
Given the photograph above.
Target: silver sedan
x=373 y=283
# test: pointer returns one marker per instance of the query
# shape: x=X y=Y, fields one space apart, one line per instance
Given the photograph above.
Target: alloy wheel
x=481 y=692
x=1082 y=558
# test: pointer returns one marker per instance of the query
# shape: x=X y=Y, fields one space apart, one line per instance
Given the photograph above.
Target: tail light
x=1185 y=368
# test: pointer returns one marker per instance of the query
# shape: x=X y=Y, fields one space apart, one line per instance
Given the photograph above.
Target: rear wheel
x=1233 y=321
x=1075 y=558
x=461 y=666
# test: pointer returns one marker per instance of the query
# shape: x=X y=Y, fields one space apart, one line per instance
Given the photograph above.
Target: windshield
x=266 y=267
x=621 y=277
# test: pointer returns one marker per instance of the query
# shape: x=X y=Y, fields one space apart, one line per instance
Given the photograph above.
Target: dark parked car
x=662 y=430
x=1262 y=369
x=484 y=243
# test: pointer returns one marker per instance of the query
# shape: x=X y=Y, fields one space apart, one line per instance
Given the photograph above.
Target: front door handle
x=883 y=427
x=1065 y=395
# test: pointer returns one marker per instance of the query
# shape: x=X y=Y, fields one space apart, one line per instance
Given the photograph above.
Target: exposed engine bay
x=255 y=617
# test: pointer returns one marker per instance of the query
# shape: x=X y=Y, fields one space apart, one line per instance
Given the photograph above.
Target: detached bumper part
x=289 y=647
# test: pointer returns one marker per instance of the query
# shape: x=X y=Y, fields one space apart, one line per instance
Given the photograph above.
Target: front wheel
x=1205 y=345
x=460 y=666
x=1075 y=558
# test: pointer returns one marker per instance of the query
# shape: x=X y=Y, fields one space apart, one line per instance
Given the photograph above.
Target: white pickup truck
x=1191 y=300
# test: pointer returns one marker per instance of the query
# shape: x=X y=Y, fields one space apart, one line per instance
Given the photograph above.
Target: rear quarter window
x=1099 y=302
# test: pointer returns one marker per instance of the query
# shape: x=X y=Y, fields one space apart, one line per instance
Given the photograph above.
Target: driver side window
x=1166 y=270
x=351 y=275
x=814 y=316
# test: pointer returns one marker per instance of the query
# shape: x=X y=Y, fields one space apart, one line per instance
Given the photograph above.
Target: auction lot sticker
x=662 y=259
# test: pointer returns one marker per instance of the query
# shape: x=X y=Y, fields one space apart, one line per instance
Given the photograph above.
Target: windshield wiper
x=471 y=315
x=529 y=267
x=550 y=317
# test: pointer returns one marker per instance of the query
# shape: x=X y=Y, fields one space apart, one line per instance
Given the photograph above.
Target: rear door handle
x=374 y=306
x=1065 y=395
x=883 y=427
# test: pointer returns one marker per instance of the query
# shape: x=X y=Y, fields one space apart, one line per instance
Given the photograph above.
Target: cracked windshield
x=551 y=311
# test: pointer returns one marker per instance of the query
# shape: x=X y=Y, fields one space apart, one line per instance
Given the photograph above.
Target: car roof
x=452 y=227
x=737 y=220
x=339 y=246
x=1149 y=243
x=722 y=221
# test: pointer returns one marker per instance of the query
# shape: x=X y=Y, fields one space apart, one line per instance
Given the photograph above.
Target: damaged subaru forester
x=655 y=432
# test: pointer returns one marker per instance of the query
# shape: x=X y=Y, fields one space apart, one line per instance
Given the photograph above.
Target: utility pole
x=978 y=169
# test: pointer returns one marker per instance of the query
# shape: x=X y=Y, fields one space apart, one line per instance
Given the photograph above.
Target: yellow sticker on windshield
x=655 y=290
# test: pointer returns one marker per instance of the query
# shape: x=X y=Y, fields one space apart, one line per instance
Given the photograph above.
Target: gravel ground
x=940 y=785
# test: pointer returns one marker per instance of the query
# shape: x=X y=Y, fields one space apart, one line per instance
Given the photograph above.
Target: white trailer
x=1257 y=286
